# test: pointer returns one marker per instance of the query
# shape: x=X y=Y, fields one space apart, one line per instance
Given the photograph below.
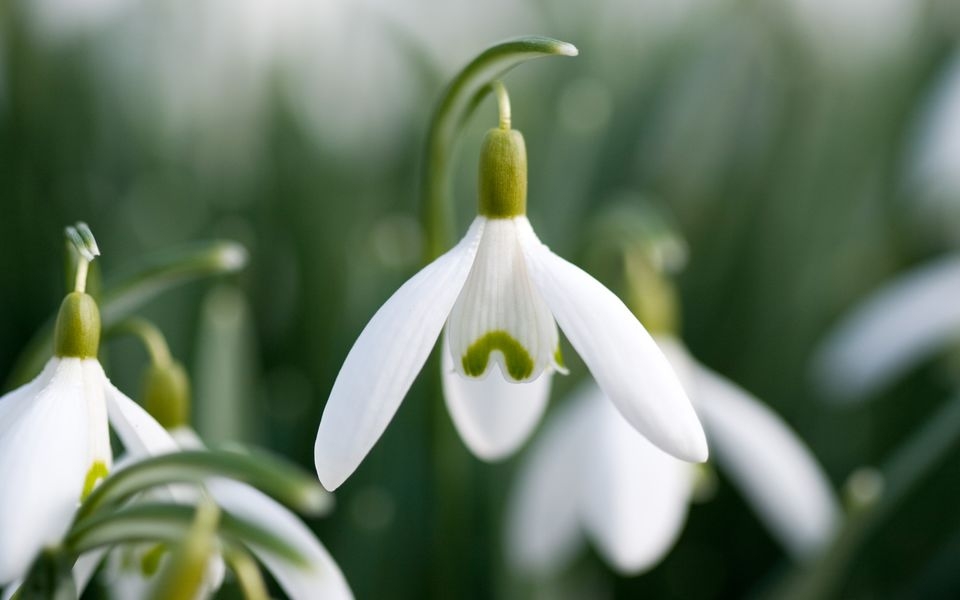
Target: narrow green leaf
x=277 y=478
x=169 y=524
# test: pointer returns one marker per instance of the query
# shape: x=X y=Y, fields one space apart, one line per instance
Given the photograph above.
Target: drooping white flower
x=500 y=293
x=591 y=475
x=321 y=578
x=901 y=324
x=54 y=439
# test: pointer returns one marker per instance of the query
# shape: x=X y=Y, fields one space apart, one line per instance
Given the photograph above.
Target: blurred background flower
x=788 y=140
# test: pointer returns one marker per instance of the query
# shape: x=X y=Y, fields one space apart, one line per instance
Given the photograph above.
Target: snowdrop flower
x=591 y=473
x=166 y=393
x=893 y=330
x=54 y=433
x=500 y=293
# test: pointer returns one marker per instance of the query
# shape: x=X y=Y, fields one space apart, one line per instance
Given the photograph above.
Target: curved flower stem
x=154 y=274
x=149 y=334
x=463 y=95
x=902 y=473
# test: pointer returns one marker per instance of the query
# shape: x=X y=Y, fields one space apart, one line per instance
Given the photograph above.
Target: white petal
x=543 y=524
x=140 y=433
x=98 y=428
x=493 y=415
x=500 y=317
x=44 y=449
x=85 y=567
x=621 y=355
x=893 y=330
x=774 y=469
x=385 y=360
x=634 y=496
x=321 y=579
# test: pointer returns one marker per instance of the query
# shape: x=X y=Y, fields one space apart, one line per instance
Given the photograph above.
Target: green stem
x=149 y=334
x=904 y=471
x=462 y=96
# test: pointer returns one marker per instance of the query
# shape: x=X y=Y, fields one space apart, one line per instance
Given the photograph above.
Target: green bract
x=503 y=175
x=78 y=327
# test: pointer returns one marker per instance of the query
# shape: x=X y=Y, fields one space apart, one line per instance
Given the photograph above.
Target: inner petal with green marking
x=500 y=318
x=517 y=360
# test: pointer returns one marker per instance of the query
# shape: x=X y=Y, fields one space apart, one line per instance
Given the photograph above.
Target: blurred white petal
x=622 y=357
x=44 y=458
x=773 y=468
x=320 y=579
x=385 y=360
x=493 y=416
x=935 y=159
x=897 y=327
x=140 y=433
x=635 y=496
x=542 y=518
x=86 y=566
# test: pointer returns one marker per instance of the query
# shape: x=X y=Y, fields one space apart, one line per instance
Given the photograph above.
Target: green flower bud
x=503 y=174
x=166 y=394
x=78 y=327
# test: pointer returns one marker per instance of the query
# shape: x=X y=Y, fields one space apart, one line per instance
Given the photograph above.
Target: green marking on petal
x=97 y=472
x=150 y=563
x=558 y=358
x=518 y=360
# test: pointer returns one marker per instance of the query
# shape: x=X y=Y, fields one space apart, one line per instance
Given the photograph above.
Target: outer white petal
x=621 y=355
x=140 y=433
x=894 y=329
x=44 y=450
x=543 y=523
x=774 y=469
x=323 y=578
x=494 y=416
x=98 y=429
x=634 y=496
x=385 y=360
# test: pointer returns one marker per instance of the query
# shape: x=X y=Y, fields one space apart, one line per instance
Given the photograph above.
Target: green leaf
x=277 y=478
x=169 y=523
x=152 y=275
x=459 y=100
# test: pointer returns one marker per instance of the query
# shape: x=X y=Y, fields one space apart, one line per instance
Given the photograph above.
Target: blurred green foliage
x=782 y=155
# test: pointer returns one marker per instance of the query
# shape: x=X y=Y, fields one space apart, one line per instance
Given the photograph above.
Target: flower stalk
x=460 y=99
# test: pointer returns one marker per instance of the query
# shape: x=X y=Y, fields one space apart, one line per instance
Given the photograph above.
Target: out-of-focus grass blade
x=225 y=373
x=152 y=275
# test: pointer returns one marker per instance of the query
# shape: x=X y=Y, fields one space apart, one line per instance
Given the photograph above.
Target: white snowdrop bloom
x=591 y=475
x=500 y=293
x=934 y=160
x=54 y=440
x=902 y=323
x=321 y=578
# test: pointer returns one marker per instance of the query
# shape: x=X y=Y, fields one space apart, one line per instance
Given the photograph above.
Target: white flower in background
x=934 y=163
x=501 y=294
x=901 y=324
x=144 y=437
x=591 y=473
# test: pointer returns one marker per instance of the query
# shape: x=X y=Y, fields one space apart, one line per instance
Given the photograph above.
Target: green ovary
x=150 y=563
x=98 y=470
x=518 y=361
